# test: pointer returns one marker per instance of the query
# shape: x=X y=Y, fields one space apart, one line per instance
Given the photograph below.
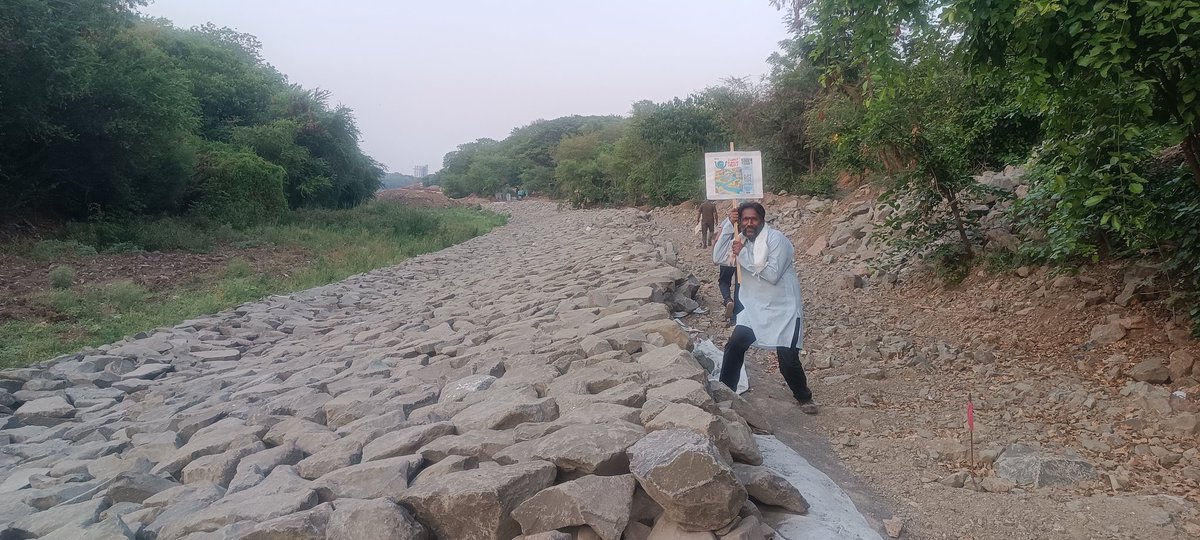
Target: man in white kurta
x=772 y=314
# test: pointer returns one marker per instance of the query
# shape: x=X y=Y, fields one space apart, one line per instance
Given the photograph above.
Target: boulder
x=691 y=418
x=766 y=487
x=451 y=464
x=375 y=519
x=219 y=468
x=505 y=412
x=283 y=492
x=481 y=445
x=685 y=474
x=405 y=441
x=254 y=468
x=600 y=502
x=372 y=480
x=136 y=487
x=1152 y=371
x=1107 y=334
x=307 y=525
x=79 y=515
x=1182 y=364
x=478 y=503
x=665 y=529
x=1029 y=466
x=46 y=411
x=580 y=448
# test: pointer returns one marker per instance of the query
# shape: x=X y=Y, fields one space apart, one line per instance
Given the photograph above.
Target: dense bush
x=109 y=114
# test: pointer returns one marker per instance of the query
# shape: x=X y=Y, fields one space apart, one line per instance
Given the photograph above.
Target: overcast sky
x=426 y=76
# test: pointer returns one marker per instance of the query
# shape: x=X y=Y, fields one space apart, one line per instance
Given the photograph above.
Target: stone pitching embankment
x=528 y=382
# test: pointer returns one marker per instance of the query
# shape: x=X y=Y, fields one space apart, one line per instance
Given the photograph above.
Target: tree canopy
x=109 y=114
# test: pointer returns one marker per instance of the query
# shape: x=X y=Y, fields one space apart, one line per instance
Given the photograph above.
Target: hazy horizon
x=423 y=78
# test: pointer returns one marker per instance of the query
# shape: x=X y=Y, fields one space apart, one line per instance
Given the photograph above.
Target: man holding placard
x=772 y=316
x=771 y=311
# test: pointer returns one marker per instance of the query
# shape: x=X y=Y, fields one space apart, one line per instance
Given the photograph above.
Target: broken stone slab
x=109 y=529
x=580 y=448
x=219 y=468
x=254 y=468
x=505 y=412
x=1152 y=371
x=694 y=419
x=217 y=355
x=375 y=519
x=136 y=487
x=80 y=515
x=766 y=487
x=283 y=492
x=339 y=454
x=46 y=411
x=148 y=371
x=1029 y=466
x=450 y=464
x=478 y=503
x=685 y=474
x=457 y=390
x=600 y=502
x=311 y=524
x=372 y=480
x=214 y=439
x=406 y=441
x=481 y=445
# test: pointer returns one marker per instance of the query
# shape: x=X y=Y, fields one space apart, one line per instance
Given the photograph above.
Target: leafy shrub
x=61 y=277
x=238 y=188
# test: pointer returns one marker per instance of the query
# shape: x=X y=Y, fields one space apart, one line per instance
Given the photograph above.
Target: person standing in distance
x=772 y=314
x=706 y=217
x=723 y=257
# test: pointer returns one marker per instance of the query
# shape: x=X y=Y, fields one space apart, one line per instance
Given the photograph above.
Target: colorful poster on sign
x=733 y=175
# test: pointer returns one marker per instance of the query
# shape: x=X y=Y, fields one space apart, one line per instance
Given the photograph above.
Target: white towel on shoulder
x=760 y=250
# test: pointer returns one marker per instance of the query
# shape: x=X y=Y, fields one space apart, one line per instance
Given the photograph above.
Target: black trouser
x=706 y=231
x=789 y=362
x=725 y=283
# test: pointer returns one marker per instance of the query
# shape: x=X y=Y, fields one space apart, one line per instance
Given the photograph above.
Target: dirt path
x=893 y=435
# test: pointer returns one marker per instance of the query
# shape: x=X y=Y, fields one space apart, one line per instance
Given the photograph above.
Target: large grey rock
x=481 y=445
x=376 y=519
x=457 y=390
x=1028 y=466
x=148 y=371
x=109 y=529
x=307 y=525
x=600 y=502
x=1151 y=371
x=371 y=480
x=505 y=412
x=336 y=455
x=684 y=472
x=214 y=439
x=137 y=487
x=451 y=464
x=478 y=503
x=349 y=407
x=283 y=492
x=219 y=468
x=77 y=515
x=46 y=411
x=580 y=448
x=692 y=418
x=254 y=468
x=766 y=487
x=406 y=441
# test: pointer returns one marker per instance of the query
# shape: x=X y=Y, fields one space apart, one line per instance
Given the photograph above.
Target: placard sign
x=733 y=175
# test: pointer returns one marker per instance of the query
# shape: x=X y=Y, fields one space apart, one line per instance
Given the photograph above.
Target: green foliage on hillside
x=107 y=113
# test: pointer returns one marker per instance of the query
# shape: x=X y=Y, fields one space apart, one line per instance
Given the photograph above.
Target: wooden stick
x=737 y=267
